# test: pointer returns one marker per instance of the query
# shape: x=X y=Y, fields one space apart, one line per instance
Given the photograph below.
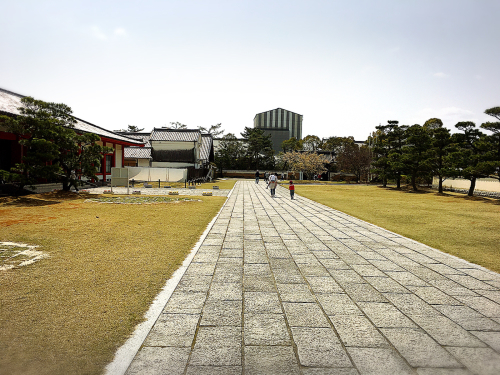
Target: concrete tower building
x=281 y=124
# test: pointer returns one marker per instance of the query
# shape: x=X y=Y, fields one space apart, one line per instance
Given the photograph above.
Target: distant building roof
x=176 y=135
x=144 y=137
x=10 y=102
x=206 y=147
x=137 y=152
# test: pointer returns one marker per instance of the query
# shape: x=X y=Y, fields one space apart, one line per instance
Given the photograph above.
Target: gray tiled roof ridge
x=177 y=135
x=177 y=130
x=12 y=93
x=139 y=134
x=117 y=136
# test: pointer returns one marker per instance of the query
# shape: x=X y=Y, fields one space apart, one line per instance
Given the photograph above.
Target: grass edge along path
x=68 y=314
x=468 y=228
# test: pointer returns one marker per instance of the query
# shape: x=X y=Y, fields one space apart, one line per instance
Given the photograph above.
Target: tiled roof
x=10 y=101
x=206 y=147
x=144 y=137
x=137 y=152
x=176 y=135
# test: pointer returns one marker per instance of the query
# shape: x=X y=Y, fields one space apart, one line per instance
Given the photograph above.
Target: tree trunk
x=398 y=182
x=414 y=182
x=440 y=188
x=384 y=181
x=66 y=183
x=472 y=186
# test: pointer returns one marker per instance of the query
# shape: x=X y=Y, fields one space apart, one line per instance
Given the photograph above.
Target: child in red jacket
x=292 y=189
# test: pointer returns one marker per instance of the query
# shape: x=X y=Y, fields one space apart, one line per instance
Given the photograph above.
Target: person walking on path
x=257 y=175
x=272 y=184
x=292 y=189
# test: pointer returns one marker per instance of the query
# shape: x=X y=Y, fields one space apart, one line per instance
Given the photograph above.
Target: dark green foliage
x=430 y=150
x=473 y=156
x=334 y=144
x=52 y=148
x=396 y=138
x=311 y=143
x=215 y=130
x=495 y=112
x=176 y=125
x=259 y=150
x=131 y=129
x=354 y=159
x=433 y=123
x=388 y=142
x=415 y=156
x=439 y=149
x=494 y=139
x=81 y=154
x=291 y=144
x=230 y=153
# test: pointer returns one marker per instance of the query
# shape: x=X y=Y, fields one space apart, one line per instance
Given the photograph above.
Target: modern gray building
x=281 y=124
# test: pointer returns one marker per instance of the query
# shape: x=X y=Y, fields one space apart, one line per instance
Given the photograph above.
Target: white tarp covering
x=177 y=175
x=155 y=174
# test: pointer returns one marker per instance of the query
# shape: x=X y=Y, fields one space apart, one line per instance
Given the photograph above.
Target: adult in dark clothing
x=257 y=175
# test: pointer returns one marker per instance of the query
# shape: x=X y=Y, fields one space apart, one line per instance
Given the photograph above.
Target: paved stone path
x=294 y=287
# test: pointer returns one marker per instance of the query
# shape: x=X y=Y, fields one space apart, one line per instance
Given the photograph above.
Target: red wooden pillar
x=103 y=164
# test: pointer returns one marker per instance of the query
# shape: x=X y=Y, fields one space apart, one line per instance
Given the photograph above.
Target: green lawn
x=466 y=227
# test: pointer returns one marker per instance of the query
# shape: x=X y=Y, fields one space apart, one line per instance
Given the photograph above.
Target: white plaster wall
x=143 y=162
x=459 y=183
x=118 y=156
x=168 y=145
x=161 y=164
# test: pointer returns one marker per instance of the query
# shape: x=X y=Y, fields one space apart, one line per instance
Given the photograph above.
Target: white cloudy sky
x=346 y=66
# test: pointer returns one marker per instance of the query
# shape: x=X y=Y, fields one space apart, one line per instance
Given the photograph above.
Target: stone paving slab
x=284 y=286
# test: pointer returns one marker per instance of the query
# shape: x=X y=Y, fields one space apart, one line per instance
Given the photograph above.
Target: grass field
x=466 y=227
x=67 y=314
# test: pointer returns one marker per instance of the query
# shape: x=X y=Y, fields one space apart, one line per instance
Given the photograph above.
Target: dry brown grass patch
x=69 y=313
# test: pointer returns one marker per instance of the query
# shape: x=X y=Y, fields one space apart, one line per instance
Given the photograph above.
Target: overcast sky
x=346 y=66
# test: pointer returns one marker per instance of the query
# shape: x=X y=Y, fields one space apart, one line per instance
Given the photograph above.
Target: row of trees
x=52 y=148
x=215 y=130
x=255 y=152
x=348 y=156
x=431 y=150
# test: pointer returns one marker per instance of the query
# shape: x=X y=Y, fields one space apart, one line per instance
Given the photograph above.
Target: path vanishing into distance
x=282 y=286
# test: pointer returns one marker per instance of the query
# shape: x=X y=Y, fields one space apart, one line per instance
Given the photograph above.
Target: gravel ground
x=164 y=191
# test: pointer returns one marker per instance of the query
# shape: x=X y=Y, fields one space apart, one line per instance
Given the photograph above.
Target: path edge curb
x=127 y=352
